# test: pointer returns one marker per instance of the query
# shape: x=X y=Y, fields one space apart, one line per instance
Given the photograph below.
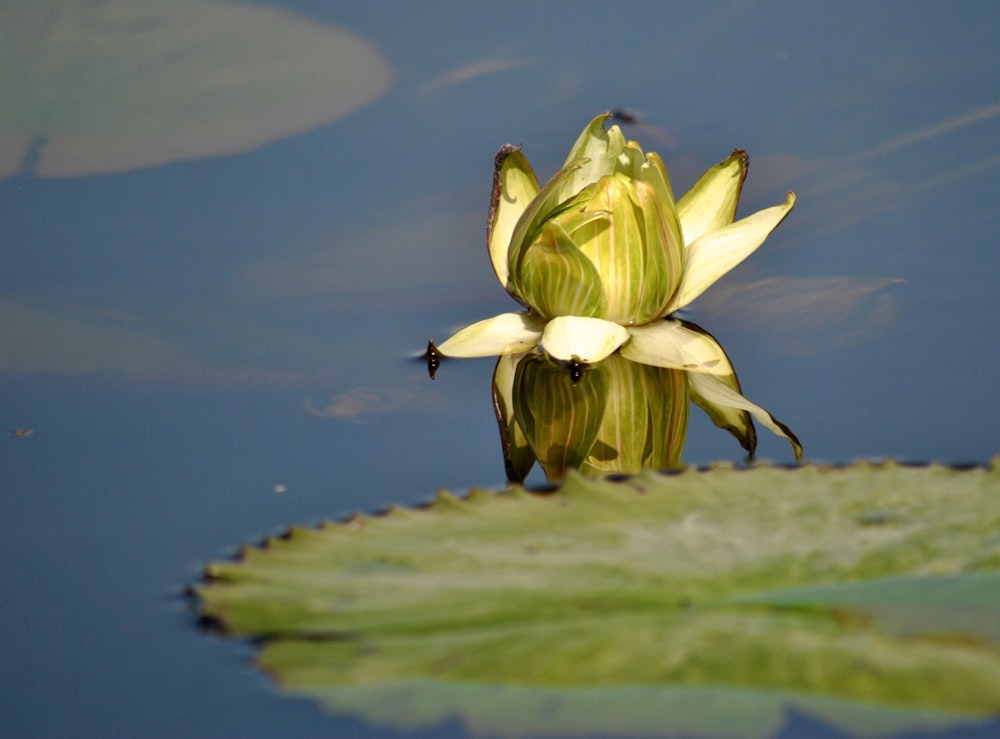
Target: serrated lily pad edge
x=448 y=498
x=540 y=711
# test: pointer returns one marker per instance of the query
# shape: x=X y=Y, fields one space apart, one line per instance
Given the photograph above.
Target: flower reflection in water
x=596 y=374
x=619 y=415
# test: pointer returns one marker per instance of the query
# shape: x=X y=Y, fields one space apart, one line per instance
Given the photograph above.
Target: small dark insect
x=433 y=357
x=631 y=118
x=624 y=116
x=576 y=369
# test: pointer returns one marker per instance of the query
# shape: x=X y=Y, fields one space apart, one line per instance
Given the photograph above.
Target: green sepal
x=514 y=187
x=547 y=204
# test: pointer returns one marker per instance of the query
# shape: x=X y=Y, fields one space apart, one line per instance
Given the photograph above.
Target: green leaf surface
x=706 y=601
x=111 y=85
x=514 y=187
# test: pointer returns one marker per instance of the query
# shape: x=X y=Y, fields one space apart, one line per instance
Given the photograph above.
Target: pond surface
x=211 y=328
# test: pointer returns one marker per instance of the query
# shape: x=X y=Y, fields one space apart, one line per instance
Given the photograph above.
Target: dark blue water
x=184 y=337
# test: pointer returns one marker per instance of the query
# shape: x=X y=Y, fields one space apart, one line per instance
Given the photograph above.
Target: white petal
x=716 y=252
x=716 y=392
x=672 y=345
x=711 y=203
x=583 y=339
x=507 y=333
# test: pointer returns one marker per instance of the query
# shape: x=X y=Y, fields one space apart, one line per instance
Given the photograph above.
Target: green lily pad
x=111 y=85
x=706 y=601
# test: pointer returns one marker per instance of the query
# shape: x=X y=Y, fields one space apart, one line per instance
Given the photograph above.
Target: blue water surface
x=189 y=338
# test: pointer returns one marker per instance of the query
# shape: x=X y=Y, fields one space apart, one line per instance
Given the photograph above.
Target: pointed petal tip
x=505 y=151
x=599 y=121
x=741 y=156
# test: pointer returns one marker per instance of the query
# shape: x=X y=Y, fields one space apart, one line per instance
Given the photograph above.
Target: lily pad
x=112 y=85
x=708 y=601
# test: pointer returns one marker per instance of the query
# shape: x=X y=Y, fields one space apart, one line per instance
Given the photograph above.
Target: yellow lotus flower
x=602 y=252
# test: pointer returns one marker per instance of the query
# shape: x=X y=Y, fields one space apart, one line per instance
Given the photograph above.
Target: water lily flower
x=602 y=252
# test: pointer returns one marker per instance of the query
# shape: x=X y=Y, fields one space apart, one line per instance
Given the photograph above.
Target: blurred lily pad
x=112 y=85
x=708 y=601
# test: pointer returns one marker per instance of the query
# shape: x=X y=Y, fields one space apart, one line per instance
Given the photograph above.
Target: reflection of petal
x=734 y=420
x=683 y=345
x=714 y=391
x=808 y=303
x=508 y=333
x=471 y=71
x=928 y=132
x=807 y=314
x=518 y=457
x=561 y=415
x=583 y=339
x=362 y=401
x=645 y=423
